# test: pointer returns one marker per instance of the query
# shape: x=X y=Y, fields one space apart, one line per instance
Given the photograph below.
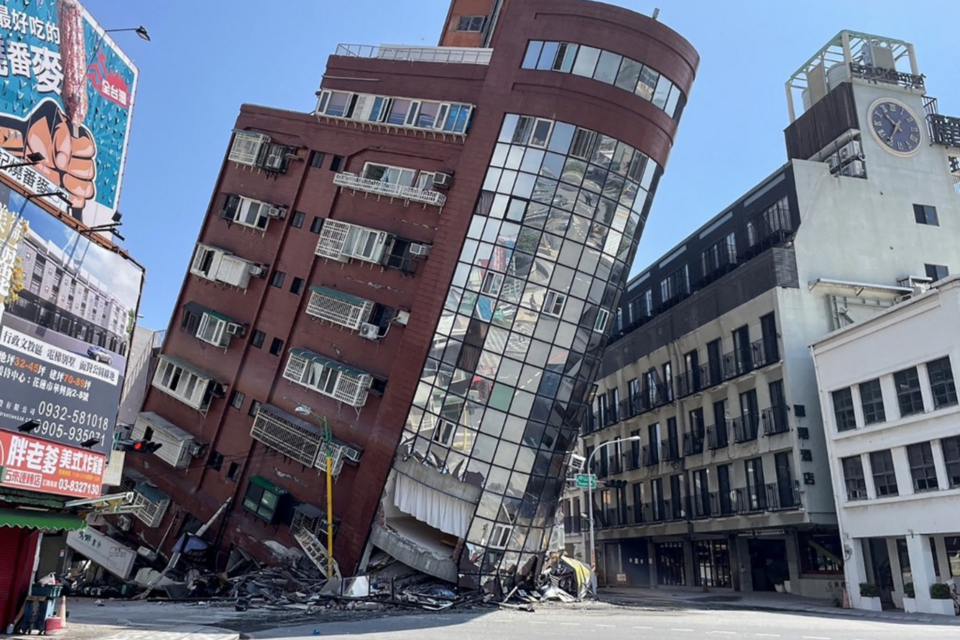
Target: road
x=558 y=623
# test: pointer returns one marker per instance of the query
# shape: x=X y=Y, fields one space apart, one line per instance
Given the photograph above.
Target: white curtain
x=450 y=515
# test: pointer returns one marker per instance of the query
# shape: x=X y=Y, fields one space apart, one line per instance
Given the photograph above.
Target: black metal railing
x=718 y=435
x=751 y=499
x=670 y=449
x=692 y=444
x=615 y=465
x=745 y=427
x=688 y=383
x=764 y=352
x=703 y=505
x=633 y=459
x=944 y=130
x=775 y=420
x=736 y=363
x=888 y=76
x=651 y=455
x=711 y=374
x=782 y=497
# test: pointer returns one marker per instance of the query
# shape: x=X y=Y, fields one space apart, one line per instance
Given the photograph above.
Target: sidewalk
x=112 y=632
x=671 y=596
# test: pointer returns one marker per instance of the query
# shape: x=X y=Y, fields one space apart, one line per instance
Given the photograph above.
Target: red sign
x=49 y=467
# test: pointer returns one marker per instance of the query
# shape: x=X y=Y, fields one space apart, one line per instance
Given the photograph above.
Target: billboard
x=69 y=306
x=116 y=558
x=66 y=92
x=49 y=467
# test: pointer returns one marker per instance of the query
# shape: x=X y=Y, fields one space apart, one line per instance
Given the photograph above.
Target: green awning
x=340 y=295
x=43 y=520
x=218 y=316
x=151 y=493
x=260 y=481
x=327 y=362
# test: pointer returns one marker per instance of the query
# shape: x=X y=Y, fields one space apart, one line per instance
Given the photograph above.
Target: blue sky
x=207 y=58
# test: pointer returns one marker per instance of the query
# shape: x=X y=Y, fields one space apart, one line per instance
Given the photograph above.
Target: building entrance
x=768 y=563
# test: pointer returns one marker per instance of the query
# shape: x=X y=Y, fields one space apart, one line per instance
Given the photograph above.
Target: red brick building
x=334 y=241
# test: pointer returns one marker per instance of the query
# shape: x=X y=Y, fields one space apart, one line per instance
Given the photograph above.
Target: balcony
x=711 y=374
x=446 y=55
x=717 y=437
x=774 y=420
x=633 y=459
x=388 y=189
x=783 y=497
x=704 y=505
x=651 y=456
x=736 y=363
x=688 y=383
x=692 y=444
x=887 y=76
x=671 y=449
x=745 y=428
x=750 y=500
x=764 y=352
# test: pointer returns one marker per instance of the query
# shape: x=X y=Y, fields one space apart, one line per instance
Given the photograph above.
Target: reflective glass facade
x=505 y=386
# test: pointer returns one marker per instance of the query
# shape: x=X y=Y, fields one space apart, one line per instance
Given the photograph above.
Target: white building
x=730 y=484
x=892 y=421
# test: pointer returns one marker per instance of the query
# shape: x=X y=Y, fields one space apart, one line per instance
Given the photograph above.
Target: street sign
x=586 y=481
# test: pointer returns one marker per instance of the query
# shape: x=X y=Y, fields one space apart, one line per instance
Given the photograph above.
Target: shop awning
x=43 y=520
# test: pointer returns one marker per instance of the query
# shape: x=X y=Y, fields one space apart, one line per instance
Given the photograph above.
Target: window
x=296 y=286
x=342 y=241
x=922 y=468
x=388 y=174
x=236 y=399
x=951 y=458
x=316 y=225
x=471 y=24
x=296 y=221
x=843 y=410
x=247 y=147
x=601 y=323
x=444 y=432
x=584 y=144
x=249 y=212
x=533 y=54
x=925 y=214
x=936 y=271
x=586 y=62
x=276 y=347
x=908 y=391
x=262 y=499
x=217 y=265
x=554 y=303
x=316 y=159
x=757 y=498
x=541 y=133
x=328 y=377
x=233 y=472
x=216 y=329
x=941 y=383
x=871 y=399
x=336 y=164
x=254 y=408
x=215 y=461
x=884 y=475
x=190 y=321
x=500 y=536
x=853 y=478
x=256 y=340
x=340 y=308
x=182 y=382
x=276 y=280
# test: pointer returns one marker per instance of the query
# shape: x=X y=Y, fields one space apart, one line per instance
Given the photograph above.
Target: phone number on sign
x=77 y=417
x=59 y=431
x=77 y=486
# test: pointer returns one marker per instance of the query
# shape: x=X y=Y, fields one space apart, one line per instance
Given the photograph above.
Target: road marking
x=723 y=633
x=690 y=630
x=815 y=638
x=768 y=635
x=577 y=624
x=538 y=622
x=607 y=626
x=645 y=628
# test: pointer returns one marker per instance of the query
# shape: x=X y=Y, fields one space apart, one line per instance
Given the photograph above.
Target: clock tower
x=860 y=105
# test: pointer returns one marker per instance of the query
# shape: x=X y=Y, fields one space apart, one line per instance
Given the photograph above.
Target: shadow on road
x=395 y=622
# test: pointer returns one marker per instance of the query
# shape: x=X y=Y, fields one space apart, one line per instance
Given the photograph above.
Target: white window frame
x=444 y=433
x=224 y=266
x=365 y=244
x=425 y=180
x=364 y=107
x=500 y=536
x=329 y=382
x=554 y=300
x=251 y=213
x=185 y=386
x=492 y=283
x=338 y=311
x=199 y=257
x=290 y=439
x=603 y=316
x=323 y=105
x=216 y=328
x=546 y=141
x=386 y=174
x=247 y=147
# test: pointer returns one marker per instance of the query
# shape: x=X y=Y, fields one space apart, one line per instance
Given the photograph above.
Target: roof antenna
x=656 y=12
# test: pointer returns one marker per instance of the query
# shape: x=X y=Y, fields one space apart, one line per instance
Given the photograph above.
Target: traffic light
x=137 y=446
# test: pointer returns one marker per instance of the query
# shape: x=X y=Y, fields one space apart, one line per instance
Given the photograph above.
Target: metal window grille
x=150 y=513
x=287 y=437
x=333 y=237
x=341 y=312
x=336 y=460
x=342 y=386
x=247 y=146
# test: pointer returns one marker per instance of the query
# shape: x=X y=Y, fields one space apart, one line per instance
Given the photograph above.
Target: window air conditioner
x=235 y=329
x=277 y=213
x=419 y=249
x=124 y=522
x=274 y=159
x=352 y=454
x=833 y=162
x=855 y=169
x=258 y=270
x=196 y=449
x=369 y=331
x=442 y=180
x=850 y=150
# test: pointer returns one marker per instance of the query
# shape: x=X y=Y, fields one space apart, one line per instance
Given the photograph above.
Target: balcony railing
x=692 y=444
x=670 y=449
x=456 y=55
x=688 y=383
x=782 y=497
x=651 y=456
x=736 y=363
x=717 y=436
x=775 y=420
x=711 y=374
x=745 y=428
x=888 y=76
x=751 y=499
x=704 y=505
x=763 y=352
x=633 y=459
x=389 y=189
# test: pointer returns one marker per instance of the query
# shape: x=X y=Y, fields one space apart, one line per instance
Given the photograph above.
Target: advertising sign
x=66 y=93
x=48 y=467
x=69 y=308
x=106 y=552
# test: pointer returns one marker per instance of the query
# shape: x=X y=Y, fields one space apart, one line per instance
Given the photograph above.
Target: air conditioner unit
x=369 y=331
x=850 y=150
x=235 y=329
x=277 y=213
x=352 y=454
x=855 y=169
x=419 y=249
x=402 y=317
x=274 y=159
x=577 y=462
x=442 y=180
x=124 y=522
x=833 y=162
x=258 y=270
x=196 y=448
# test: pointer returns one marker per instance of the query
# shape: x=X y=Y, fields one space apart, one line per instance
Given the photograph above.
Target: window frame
x=854 y=479
x=554 y=303
x=908 y=398
x=844 y=415
x=926 y=214
x=923 y=469
x=874 y=411
x=944 y=390
x=884 y=474
x=258 y=509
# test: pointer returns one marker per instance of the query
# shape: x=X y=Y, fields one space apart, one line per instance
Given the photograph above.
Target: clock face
x=895 y=127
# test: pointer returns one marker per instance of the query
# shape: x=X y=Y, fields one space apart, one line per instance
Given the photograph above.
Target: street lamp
x=590 y=485
x=141 y=31
x=326 y=435
x=32 y=159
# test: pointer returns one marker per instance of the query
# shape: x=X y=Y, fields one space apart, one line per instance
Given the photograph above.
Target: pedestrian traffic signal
x=137 y=446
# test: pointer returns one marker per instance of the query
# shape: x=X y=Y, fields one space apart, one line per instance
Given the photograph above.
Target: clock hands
x=896 y=126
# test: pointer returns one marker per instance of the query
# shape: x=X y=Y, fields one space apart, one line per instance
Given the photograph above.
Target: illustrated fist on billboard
x=68 y=152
